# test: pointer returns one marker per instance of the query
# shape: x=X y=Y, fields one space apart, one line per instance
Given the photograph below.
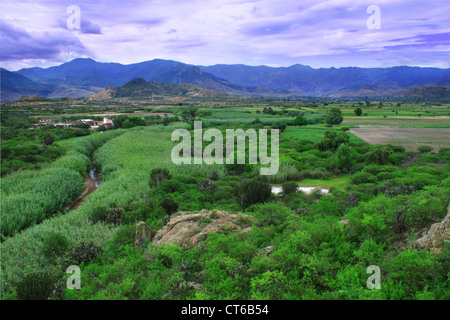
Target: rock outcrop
x=188 y=229
x=106 y=94
x=143 y=232
x=437 y=234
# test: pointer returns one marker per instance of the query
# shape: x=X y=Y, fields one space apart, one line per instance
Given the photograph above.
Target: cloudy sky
x=255 y=32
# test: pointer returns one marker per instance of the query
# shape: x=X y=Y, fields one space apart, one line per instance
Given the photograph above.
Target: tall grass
x=286 y=172
x=30 y=196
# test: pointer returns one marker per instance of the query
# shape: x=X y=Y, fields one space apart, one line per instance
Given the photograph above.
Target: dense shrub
x=54 y=245
x=424 y=149
x=84 y=253
x=115 y=216
x=123 y=236
x=418 y=180
x=332 y=140
x=271 y=214
x=158 y=175
x=252 y=192
x=169 y=205
x=397 y=158
x=300 y=121
x=289 y=187
x=206 y=185
x=35 y=286
x=363 y=177
x=429 y=158
x=391 y=189
x=379 y=154
x=399 y=149
x=334 y=116
x=214 y=175
x=99 y=214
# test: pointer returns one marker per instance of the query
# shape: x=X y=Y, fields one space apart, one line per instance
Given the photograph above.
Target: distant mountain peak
x=86 y=74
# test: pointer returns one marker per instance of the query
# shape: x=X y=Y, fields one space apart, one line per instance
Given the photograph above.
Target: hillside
x=139 y=88
x=14 y=85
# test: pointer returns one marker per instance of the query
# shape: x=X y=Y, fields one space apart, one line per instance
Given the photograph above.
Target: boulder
x=143 y=232
x=433 y=238
x=188 y=229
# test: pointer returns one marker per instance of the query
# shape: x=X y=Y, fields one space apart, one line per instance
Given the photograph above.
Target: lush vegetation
x=300 y=246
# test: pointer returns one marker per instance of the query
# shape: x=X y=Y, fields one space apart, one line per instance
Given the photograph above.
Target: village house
x=107 y=123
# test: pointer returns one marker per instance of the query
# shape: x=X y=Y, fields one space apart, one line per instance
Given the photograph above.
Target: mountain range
x=84 y=76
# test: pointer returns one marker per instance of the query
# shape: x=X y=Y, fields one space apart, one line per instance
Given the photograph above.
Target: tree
x=49 y=139
x=269 y=110
x=119 y=121
x=358 y=111
x=252 y=192
x=332 y=140
x=280 y=126
x=334 y=116
x=134 y=122
x=379 y=154
x=300 y=121
x=189 y=114
x=158 y=175
x=344 y=158
x=165 y=121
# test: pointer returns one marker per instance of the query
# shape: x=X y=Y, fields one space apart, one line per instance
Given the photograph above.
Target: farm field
x=409 y=137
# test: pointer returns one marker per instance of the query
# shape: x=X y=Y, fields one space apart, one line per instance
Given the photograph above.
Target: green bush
x=252 y=192
x=332 y=140
x=397 y=158
x=35 y=286
x=399 y=149
x=289 y=187
x=379 y=154
x=99 y=214
x=363 y=177
x=334 y=116
x=171 y=186
x=115 y=216
x=418 y=180
x=424 y=149
x=169 y=205
x=54 y=245
x=158 y=175
x=267 y=214
x=300 y=121
x=123 y=236
x=84 y=253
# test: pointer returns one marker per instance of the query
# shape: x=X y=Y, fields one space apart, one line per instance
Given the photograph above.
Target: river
x=90 y=185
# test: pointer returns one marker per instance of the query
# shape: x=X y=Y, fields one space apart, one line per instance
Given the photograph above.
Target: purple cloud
x=422 y=41
x=267 y=29
x=17 y=44
x=88 y=27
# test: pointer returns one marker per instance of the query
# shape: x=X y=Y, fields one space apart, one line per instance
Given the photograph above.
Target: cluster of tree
x=334 y=116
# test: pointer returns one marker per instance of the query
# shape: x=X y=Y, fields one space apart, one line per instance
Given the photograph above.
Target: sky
x=321 y=34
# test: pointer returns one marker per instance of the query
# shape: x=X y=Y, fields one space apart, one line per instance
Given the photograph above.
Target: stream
x=90 y=185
